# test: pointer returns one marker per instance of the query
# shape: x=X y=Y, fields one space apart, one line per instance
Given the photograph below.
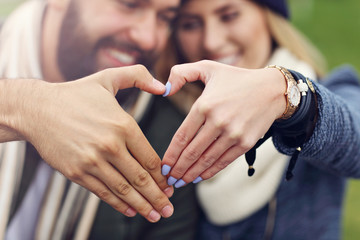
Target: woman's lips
x=229 y=60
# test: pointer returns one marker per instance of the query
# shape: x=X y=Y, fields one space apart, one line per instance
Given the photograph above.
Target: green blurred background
x=334 y=27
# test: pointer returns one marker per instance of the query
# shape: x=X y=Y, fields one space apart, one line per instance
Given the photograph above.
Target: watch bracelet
x=295 y=131
x=289 y=110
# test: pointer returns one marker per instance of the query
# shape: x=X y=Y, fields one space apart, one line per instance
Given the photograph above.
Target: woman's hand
x=79 y=129
x=235 y=110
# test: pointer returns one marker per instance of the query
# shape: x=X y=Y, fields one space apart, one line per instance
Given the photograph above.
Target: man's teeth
x=122 y=57
x=228 y=60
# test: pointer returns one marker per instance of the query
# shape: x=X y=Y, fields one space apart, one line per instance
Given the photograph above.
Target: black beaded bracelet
x=300 y=126
x=294 y=131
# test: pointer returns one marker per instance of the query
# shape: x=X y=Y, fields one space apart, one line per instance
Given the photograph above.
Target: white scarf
x=18 y=58
x=231 y=195
x=20 y=40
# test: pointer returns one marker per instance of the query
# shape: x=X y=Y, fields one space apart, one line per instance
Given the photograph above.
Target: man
x=66 y=40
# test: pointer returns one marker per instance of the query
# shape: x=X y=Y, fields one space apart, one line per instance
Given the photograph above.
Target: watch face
x=294 y=97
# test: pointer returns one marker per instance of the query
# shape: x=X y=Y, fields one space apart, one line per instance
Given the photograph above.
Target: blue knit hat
x=278 y=6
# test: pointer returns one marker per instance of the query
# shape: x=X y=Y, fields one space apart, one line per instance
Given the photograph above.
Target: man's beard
x=76 y=56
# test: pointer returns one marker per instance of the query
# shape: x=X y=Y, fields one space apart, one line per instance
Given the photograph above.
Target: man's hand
x=235 y=110
x=79 y=129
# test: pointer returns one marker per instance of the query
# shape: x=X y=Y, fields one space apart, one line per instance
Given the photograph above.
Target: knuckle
x=209 y=174
x=144 y=209
x=203 y=108
x=160 y=201
x=142 y=179
x=175 y=70
x=91 y=161
x=181 y=138
x=141 y=68
x=207 y=161
x=105 y=73
x=103 y=194
x=122 y=189
x=142 y=72
x=177 y=171
x=205 y=62
x=162 y=183
x=235 y=136
x=171 y=158
x=74 y=173
x=246 y=144
x=191 y=155
x=153 y=163
x=120 y=206
x=223 y=164
x=189 y=177
x=221 y=123
x=130 y=128
x=109 y=144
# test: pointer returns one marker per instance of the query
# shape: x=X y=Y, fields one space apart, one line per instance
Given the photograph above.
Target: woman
x=252 y=34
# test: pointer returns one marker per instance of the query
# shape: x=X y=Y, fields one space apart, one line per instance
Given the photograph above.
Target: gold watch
x=292 y=93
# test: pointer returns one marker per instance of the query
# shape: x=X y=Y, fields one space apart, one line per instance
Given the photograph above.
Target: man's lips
x=120 y=58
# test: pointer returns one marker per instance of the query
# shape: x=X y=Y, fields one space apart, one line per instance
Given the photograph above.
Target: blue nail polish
x=197 y=180
x=167 y=89
x=171 y=180
x=165 y=170
x=180 y=183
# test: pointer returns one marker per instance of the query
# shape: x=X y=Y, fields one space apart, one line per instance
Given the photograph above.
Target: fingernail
x=167 y=211
x=130 y=212
x=171 y=180
x=169 y=192
x=154 y=216
x=180 y=183
x=167 y=89
x=197 y=180
x=157 y=84
x=165 y=170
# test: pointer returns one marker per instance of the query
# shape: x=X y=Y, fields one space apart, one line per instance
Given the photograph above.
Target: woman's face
x=233 y=32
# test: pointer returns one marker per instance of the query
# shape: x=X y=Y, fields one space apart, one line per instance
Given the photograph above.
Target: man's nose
x=144 y=31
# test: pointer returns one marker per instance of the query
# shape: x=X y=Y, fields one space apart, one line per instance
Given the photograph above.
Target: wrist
x=293 y=92
x=299 y=128
x=9 y=110
x=279 y=87
x=16 y=100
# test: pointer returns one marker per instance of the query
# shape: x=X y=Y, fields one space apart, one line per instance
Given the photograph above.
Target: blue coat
x=310 y=205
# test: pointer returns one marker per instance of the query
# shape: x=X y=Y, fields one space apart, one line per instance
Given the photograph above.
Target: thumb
x=137 y=76
x=188 y=72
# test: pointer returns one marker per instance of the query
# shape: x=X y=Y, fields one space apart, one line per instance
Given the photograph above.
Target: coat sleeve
x=335 y=143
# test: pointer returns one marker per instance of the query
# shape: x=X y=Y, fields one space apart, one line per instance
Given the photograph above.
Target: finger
x=132 y=76
x=194 y=150
x=183 y=136
x=228 y=157
x=125 y=189
x=142 y=181
x=104 y=193
x=143 y=152
x=208 y=158
x=189 y=72
x=143 y=170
